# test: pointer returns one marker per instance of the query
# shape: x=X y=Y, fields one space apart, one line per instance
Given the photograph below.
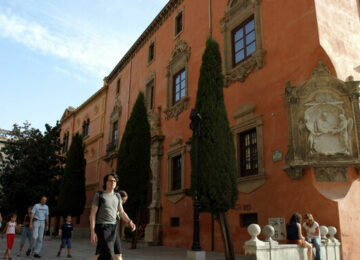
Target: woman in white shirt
x=312 y=230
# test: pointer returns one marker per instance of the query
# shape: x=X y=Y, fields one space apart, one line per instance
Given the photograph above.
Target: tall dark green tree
x=30 y=168
x=133 y=165
x=72 y=190
x=217 y=166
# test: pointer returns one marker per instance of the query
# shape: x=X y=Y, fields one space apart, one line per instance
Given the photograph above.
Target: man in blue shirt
x=39 y=220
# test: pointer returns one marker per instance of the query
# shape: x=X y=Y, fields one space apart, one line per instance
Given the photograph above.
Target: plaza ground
x=83 y=250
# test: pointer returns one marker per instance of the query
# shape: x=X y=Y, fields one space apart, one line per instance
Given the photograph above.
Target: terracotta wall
x=294 y=37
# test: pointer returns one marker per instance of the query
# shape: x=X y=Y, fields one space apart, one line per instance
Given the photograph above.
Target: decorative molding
x=175 y=142
x=323 y=124
x=236 y=12
x=246 y=120
x=179 y=60
x=175 y=196
x=176 y=109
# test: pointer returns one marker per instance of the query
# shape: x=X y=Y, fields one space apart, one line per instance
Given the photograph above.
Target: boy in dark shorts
x=65 y=232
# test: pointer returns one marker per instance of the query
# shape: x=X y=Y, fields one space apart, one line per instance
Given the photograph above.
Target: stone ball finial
x=324 y=231
x=268 y=231
x=332 y=232
x=254 y=230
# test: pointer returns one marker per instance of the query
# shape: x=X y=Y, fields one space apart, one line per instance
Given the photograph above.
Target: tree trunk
x=226 y=236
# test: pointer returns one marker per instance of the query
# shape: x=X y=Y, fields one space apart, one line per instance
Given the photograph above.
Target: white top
x=11 y=227
x=311 y=231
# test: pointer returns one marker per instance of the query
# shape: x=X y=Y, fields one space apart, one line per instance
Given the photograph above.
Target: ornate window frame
x=176 y=149
x=246 y=120
x=238 y=11
x=179 y=60
x=115 y=116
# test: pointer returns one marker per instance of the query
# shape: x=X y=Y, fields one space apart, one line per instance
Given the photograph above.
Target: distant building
x=3 y=140
x=292 y=99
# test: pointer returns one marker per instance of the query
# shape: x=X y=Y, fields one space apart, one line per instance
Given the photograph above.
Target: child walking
x=27 y=233
x=10 y=235
x=65 y=232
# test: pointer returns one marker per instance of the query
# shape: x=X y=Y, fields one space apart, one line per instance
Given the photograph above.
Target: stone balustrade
x=270 y=249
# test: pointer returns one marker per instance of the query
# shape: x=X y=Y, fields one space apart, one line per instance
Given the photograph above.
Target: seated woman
x=312 y=233
x=294 y=235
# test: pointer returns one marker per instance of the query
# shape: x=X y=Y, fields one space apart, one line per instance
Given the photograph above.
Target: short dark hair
x=107 y=177
x=123 y=193
x=295 y=218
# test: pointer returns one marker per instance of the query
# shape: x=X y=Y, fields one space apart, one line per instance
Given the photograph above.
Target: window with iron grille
x=118 y=86
x=176 y=173
x=248 y=154
x=115 y=132
x=179 y=86
x=151 y=52
x=175 y=222
x=244 y=41
x=86 y=128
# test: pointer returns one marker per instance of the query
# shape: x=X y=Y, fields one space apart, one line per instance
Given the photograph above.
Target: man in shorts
x=103 y=222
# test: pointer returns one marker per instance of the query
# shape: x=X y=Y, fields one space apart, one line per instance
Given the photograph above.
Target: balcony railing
x=111 y=147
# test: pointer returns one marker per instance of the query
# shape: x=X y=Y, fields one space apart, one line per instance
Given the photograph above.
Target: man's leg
x=35 y=234
x=317 y=244
x=106 y=238
x=40 y=237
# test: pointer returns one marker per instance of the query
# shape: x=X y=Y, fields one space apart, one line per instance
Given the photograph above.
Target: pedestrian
x=65 y=232
x=39 y=220
x=294 y=235
x=10 y=235
x=26 y=234
x=313 y=233
x=103 y=222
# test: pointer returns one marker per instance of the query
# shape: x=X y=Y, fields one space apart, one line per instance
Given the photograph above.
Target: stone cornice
x=150 y=30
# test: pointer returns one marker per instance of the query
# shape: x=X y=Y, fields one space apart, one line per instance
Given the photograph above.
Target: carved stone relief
x=323 y=115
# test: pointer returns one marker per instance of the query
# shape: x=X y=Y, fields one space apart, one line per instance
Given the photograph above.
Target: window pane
x=183 y=84
x=239 y=56
x=239 y=45
x=182 y=93
x=250 y=37
x=182 y=75
x=177 y=79
x=177 y=87
x=251 y=48
x=177 y=97
x=239 y=34
x=250 y=26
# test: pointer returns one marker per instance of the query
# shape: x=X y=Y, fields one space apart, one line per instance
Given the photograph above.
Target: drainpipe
x=128 y=101
x=210 y=27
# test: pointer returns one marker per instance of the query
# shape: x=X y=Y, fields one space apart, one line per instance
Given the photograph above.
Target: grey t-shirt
x=108 y=208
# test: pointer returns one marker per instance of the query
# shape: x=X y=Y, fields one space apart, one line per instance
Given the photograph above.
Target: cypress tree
x=217 y=187
x=133 y=164
x=72 y=191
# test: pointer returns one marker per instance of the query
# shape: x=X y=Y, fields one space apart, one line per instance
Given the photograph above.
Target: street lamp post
x=195 y=127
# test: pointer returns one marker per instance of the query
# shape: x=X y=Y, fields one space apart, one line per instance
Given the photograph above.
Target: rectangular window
x=65 y=143
x=179 y=86
x=179 y=23
x=176 y=173
x=244 y=41
x=175 y=222
x=115 y=133
x=248 y=155
x=86 y=128
x=151 y=51
x=118 y=86
x=248 y=219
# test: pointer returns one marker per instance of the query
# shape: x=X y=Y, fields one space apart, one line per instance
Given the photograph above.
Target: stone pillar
x=153 y=229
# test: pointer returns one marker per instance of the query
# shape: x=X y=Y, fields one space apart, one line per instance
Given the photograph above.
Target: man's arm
x=126 y=218
x=46 y=222
x=31 y=218
x=92 y=216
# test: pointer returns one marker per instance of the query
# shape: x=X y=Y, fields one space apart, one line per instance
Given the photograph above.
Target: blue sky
x=56 y=53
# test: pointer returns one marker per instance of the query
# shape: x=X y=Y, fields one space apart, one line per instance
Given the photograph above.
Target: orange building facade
x=292 y=99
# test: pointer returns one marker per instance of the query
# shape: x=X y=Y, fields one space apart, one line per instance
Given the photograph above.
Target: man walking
x=39 y=220
x=103 y=226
